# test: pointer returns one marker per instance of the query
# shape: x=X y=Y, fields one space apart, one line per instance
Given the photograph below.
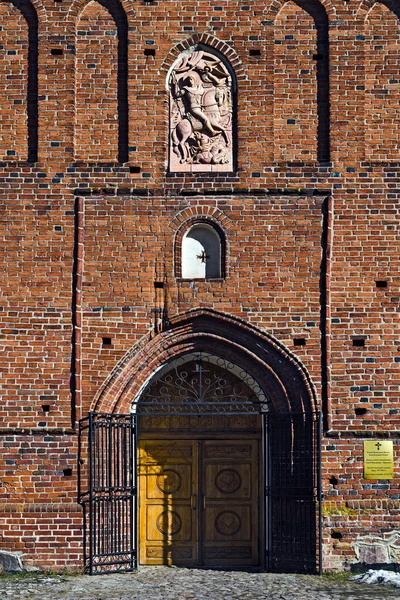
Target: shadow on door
x=199 y=502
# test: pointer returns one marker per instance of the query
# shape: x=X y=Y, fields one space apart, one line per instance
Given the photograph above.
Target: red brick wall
x=295 y=85
x=96 y=66
x=38 y=514
x=13 y=76
x=61 y=295
x=265 y=263
x=354 y=508
x=35 y=313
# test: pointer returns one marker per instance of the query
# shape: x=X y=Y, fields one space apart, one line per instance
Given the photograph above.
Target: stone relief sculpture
x=200 y=88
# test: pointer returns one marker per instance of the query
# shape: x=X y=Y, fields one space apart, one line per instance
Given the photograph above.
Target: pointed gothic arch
x=275 y=6
x=279 y=372
x=381 y=71
x=250 y=376
x=77 y=6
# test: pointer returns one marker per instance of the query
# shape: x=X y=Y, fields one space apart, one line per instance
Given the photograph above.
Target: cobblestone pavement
x=163 y=583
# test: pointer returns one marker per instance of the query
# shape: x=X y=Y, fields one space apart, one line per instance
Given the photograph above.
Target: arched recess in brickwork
x=366 y=6
x=101 y=82
x=301 y=81
x=202 y=88
x=200 y=249
x=382 y=81
x=40 y=10
x=191 y=215
x=19 y=81
x=282 y=377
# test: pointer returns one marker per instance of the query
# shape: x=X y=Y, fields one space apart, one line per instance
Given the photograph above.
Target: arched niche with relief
x=201 y=90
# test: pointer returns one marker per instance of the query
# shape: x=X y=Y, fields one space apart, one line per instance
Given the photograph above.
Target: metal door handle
x=193 y=501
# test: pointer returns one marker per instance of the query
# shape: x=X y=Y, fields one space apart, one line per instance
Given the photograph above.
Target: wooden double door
x=198 y=502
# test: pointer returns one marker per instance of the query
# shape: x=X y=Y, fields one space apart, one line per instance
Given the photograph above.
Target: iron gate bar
x=109 y=498
x=319 y=490
x=294 y=492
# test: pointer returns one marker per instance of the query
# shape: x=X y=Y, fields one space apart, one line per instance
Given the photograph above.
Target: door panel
x=224 y=480
x=199 y=502
x=173 y=479
x=228 y=525
x=230 y=472
x=167 y=522
x=168 y=481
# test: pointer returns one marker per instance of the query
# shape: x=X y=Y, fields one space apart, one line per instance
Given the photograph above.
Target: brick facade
x=91 y=220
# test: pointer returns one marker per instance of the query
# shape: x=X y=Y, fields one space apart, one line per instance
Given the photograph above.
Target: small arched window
x=202 y=253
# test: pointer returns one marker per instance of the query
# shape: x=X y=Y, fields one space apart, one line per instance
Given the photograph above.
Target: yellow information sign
x=378 y=460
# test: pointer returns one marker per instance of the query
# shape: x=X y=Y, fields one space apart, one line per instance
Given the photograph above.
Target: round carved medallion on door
x=169 y=523
x=228 y=523
x=169 y=481
x=228 y=481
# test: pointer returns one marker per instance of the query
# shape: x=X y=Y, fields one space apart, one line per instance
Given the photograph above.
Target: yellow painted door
x=230 y=518
x=198 y=502
x=168 y=483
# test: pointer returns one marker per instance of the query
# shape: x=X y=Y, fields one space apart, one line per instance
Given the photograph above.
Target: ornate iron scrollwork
x=201 y=383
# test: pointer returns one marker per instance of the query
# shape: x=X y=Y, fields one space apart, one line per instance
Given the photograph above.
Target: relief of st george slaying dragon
x=200 y=87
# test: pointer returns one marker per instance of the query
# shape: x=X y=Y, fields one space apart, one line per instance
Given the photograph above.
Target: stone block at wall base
x=11 y=562
x=364 y=567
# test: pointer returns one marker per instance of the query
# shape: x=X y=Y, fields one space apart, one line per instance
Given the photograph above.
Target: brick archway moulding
x=278 y=371
x=207 y=40
x=200 y=212
x=367 y=5
x=276 y=6
x=204 y=214
x=40 y=11
x=78 y=6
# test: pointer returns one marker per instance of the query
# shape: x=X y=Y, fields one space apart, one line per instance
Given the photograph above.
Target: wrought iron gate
x=294 y=492
x=197 y=386
x=107 y=492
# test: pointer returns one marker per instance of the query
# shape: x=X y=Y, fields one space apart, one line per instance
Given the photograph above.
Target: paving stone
x=163 y=583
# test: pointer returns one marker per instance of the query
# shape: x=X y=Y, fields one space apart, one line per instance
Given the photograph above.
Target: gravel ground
x=164 y=583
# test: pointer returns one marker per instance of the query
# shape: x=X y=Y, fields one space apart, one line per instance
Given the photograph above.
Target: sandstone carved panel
x=200 y=89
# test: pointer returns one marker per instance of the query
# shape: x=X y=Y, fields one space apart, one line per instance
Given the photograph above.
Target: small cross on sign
x=203 y=256
x=378 y=445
